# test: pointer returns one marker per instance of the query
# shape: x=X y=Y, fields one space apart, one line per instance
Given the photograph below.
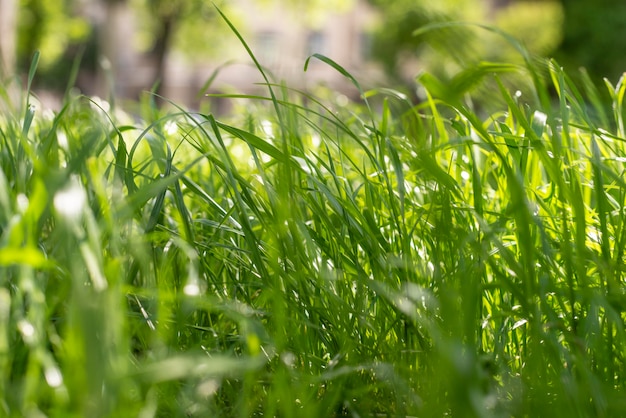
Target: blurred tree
x=104 y=29
x=537 y=25
x=190 y=26
x=594 y=37
x=50 y=27
x=449 y=49
x=114 y=33
x=183 y=23
x=397 y=48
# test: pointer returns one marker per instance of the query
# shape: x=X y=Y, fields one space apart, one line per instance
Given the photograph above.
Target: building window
x=316 y=43
x=365 y=46
x=267 y=47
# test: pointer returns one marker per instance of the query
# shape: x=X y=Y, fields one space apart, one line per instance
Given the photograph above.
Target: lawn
x=306 y=258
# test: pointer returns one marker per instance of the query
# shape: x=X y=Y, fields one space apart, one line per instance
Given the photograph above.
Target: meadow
x=307 y=258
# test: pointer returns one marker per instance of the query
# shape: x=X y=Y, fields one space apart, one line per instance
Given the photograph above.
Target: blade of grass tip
x=542 y=92
x=256 y=63
x=517 y=112
x=594 y=97
x=477 y=184
x=577 y=102
x=602 y=209
x=511 y=141
x=538 y=125
x=341 y=71
x=568 y=264
x=395 y=158
x=129 y=172
x=202 y=194
x=71 y=82
x=52 y=133
x=207 y=84
x=435 y=88
x=223 y=163
x=153 y=189
x=572 y=190
x=466 y=79
x=246 y=226
x=411 y=118
x=557 y=141
x=160 y=199
x=120 y=158
x=87 y=148
x=283 y=126
x=31 y=76
x=617 y=96
x=443 y=178
x=28 y=119
x=519 y=203
x=254 y=141
x=184 y=212
x=121 y=153
x=384 y=124
x=463 y=82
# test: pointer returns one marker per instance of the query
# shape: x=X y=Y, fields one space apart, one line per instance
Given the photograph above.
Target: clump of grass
x=315 y=259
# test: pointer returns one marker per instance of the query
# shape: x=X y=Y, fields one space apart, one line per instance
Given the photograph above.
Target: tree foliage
x=594 y=37
x=444 y=38
x=395 y=43
x=580 y=33
x=50 y=27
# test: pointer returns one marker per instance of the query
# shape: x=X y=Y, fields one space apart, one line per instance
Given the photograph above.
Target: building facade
x=282 y=35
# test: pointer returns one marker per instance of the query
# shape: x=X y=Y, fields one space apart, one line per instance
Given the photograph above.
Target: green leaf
x=26 y=256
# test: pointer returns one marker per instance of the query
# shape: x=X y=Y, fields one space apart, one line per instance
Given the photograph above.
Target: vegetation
x=311 y=259
x=592 y=38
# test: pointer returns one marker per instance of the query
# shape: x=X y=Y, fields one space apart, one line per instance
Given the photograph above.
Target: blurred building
x=281 y=36
x=8 y=22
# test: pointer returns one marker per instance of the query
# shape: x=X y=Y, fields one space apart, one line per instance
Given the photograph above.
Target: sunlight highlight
x=70 y=201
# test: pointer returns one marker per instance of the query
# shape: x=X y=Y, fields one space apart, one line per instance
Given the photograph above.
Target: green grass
x=305 y=259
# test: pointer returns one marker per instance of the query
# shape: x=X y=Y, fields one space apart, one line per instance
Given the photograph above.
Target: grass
x=310 y=259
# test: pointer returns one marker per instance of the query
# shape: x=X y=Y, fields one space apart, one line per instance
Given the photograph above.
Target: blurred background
x=183 y=49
